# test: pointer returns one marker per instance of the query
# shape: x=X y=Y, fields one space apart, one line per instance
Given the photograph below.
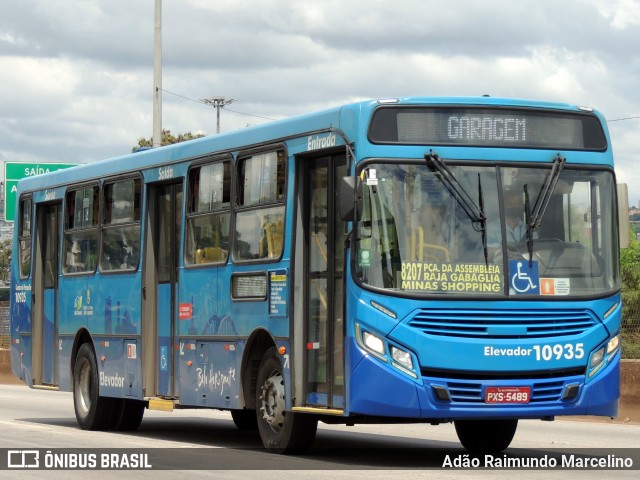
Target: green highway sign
x=15 y=171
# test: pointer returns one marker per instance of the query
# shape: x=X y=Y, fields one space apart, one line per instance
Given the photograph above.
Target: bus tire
x=280 y=431
x=129 y=415
x=485 y=436
x=93 y=412
x=245 y=419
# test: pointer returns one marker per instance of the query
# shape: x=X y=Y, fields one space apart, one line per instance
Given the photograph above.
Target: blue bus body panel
x=211 y=327
x=65 y=365
x=105 y=304
x=213 y=378
x=109 y=307
x=119 y=372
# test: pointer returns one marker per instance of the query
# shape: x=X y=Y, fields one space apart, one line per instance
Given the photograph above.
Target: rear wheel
x=245 y=419
x=93 y=412
x=280 y=431
x=129 y=415
x=486 y=436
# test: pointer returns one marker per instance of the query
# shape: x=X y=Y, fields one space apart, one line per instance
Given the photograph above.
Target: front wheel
x=485 y=436
x=280 y=431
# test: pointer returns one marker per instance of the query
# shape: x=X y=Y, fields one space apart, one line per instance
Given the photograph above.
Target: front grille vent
x=502 y=324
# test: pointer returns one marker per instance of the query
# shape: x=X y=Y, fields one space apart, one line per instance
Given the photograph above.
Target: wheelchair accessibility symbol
x=164 y=354
x=524 y=279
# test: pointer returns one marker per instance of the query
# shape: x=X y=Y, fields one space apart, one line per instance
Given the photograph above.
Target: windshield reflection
x=415 y=235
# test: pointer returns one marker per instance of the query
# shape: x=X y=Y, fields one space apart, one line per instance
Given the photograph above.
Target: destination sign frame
x=472 y=126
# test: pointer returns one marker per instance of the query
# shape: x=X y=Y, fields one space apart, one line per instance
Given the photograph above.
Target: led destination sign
x=487 y=127
x=498 y=129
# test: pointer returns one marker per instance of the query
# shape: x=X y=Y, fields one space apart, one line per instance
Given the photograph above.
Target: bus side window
x=81 y=230
x=121 y=225
x=260 y=222
x=208 y=214
x=24 y=237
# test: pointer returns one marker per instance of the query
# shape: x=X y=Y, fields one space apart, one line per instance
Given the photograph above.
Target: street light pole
x=157 y=76
x=218 y=103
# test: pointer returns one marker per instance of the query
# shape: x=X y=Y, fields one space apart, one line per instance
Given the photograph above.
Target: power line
x=182 y=96
x=249 y=114
x=202 y=102
x=621 y=119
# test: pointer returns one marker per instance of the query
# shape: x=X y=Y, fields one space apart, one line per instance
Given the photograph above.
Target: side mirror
x=350 y=198
x=623 y=215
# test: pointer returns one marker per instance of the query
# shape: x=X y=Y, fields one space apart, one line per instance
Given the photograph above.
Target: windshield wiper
x=527 y=218
x=546 y=192
x=534 y=219
x=435 y=164
x=483 y=221
x=473 y=211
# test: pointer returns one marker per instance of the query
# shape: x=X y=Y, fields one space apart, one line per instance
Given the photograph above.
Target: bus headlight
x=604 y=355
x=386 y=351
x=613 y=344
x=401 y=357
x=596 y=362
x=597 y=358
x=373 y=343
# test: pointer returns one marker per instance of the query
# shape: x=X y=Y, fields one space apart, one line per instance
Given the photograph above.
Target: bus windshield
x=416 y=235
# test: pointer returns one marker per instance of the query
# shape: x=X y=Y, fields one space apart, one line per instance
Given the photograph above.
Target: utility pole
x=157 y=76
x=218 y=103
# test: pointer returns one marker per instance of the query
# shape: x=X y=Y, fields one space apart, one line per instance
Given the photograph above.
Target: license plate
x=507 y=395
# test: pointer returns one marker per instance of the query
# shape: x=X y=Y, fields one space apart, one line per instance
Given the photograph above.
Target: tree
x=5 y=262
x=167 y=139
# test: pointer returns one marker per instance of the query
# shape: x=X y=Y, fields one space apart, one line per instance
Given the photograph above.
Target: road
x=35 y=419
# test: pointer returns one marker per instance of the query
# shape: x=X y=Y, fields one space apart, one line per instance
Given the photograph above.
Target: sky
x=76 y=76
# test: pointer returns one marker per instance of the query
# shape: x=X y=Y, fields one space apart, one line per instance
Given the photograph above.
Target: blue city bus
x=426 y=260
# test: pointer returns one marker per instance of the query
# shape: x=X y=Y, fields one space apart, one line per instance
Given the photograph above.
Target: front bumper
x=376 y=389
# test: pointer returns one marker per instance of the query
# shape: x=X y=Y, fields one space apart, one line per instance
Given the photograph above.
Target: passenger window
x=81 y=230
x=121 y=225
x=262 y=179
x=24 y=237
x=209 y=214
x=259 y=232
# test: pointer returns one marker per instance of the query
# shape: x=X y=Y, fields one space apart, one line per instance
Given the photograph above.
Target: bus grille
x=547 y=391
x=503 y=323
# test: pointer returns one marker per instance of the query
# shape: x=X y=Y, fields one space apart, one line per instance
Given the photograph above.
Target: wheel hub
x=84 y=388
x=272 y=402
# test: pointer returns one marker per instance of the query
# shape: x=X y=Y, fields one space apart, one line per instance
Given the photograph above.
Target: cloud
x=77 y=76
x=622 y=14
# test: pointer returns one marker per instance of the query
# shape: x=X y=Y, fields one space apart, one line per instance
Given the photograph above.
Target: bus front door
x=160 y=290
x=323 y=282
x=45 y=288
